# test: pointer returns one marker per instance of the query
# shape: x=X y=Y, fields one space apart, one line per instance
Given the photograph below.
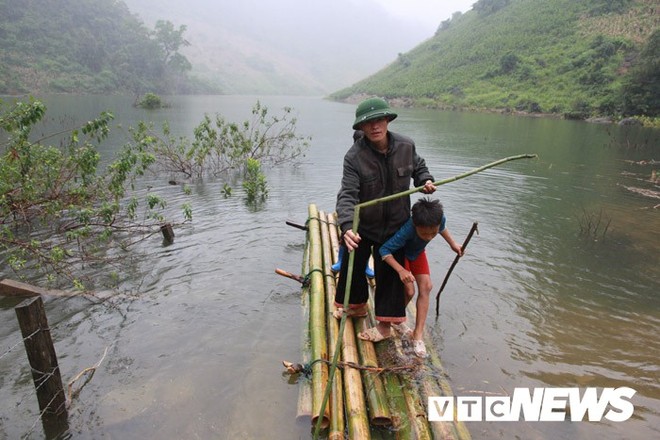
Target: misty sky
x=325 y=45
x=428 y=13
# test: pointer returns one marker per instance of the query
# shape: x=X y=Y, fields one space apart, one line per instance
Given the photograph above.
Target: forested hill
x=87 y=46
x=578 y=58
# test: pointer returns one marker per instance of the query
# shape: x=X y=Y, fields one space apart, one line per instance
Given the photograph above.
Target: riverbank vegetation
x=576 y=59
x=66 y=219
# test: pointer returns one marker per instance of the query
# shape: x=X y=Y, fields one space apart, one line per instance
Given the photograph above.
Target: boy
x=426 y=222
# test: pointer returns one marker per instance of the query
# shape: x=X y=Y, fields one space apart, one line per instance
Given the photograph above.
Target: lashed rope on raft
x=306 y=369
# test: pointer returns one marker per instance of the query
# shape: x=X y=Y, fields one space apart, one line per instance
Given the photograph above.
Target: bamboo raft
x=379 y=390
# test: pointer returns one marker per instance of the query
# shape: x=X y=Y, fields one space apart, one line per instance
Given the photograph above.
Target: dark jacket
x=370 y=175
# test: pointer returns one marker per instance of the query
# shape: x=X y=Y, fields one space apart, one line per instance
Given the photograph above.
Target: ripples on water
x=197 y=351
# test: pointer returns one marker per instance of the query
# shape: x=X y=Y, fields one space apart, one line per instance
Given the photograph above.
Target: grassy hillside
x=571 y=57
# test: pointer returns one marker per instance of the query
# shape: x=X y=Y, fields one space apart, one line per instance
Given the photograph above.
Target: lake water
x=195 y=342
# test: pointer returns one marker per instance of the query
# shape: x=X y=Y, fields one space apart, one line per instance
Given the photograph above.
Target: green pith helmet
x=372 y=108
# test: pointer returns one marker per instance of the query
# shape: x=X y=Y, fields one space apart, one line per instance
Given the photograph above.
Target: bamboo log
x=416 y=409
x=333 y=227
x=317 y=327
x=379 y=414
x=417 y=420
x=416 y=424
x=358 y=422
x=336 y=429
x=396 y=400
x=441 y=430
x=434 y=384
x=459 y=427
x=305 y=386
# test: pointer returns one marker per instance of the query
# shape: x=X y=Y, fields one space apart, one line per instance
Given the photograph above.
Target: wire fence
x=26 y=400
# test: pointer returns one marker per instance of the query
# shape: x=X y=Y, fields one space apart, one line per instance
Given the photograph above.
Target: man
x=379 y=164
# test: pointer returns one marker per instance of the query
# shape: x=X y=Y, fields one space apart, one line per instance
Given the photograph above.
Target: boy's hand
x=406 y=277
x=458 y=249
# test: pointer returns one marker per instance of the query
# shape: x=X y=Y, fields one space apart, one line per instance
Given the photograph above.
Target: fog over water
x=295 y=46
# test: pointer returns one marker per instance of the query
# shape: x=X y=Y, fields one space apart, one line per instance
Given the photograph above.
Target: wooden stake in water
x=43 y=363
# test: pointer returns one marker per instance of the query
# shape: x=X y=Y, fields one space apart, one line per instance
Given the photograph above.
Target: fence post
x=43 y=363
x=168 y=233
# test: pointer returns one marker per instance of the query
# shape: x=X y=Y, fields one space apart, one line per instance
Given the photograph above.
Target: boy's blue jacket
x=407 y=238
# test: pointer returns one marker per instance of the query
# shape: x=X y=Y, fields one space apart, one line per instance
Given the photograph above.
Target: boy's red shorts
x=419 y=266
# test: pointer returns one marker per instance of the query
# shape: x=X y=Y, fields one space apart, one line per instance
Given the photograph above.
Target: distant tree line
x=641 y=92
x=486 y=7
x=87 y=46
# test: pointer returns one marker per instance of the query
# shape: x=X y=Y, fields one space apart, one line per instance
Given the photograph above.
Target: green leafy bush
x=151 y=101
x=60 y=214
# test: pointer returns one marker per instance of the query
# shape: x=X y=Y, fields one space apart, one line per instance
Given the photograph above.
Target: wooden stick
x=451 y=268
x=295 y=225
x=284 y=273
x=168 y=233
x=91 y=370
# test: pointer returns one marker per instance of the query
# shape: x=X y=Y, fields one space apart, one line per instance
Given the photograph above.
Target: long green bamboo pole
x=356 y=408
x=438 y=183
x=379 y=414
x=351 y=258
x=317 y=328
x=335 y=357
x=336 y=428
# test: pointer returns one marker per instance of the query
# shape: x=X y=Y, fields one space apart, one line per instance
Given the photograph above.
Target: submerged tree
x=221 y=148
x=60 y=214
x=64 y=217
